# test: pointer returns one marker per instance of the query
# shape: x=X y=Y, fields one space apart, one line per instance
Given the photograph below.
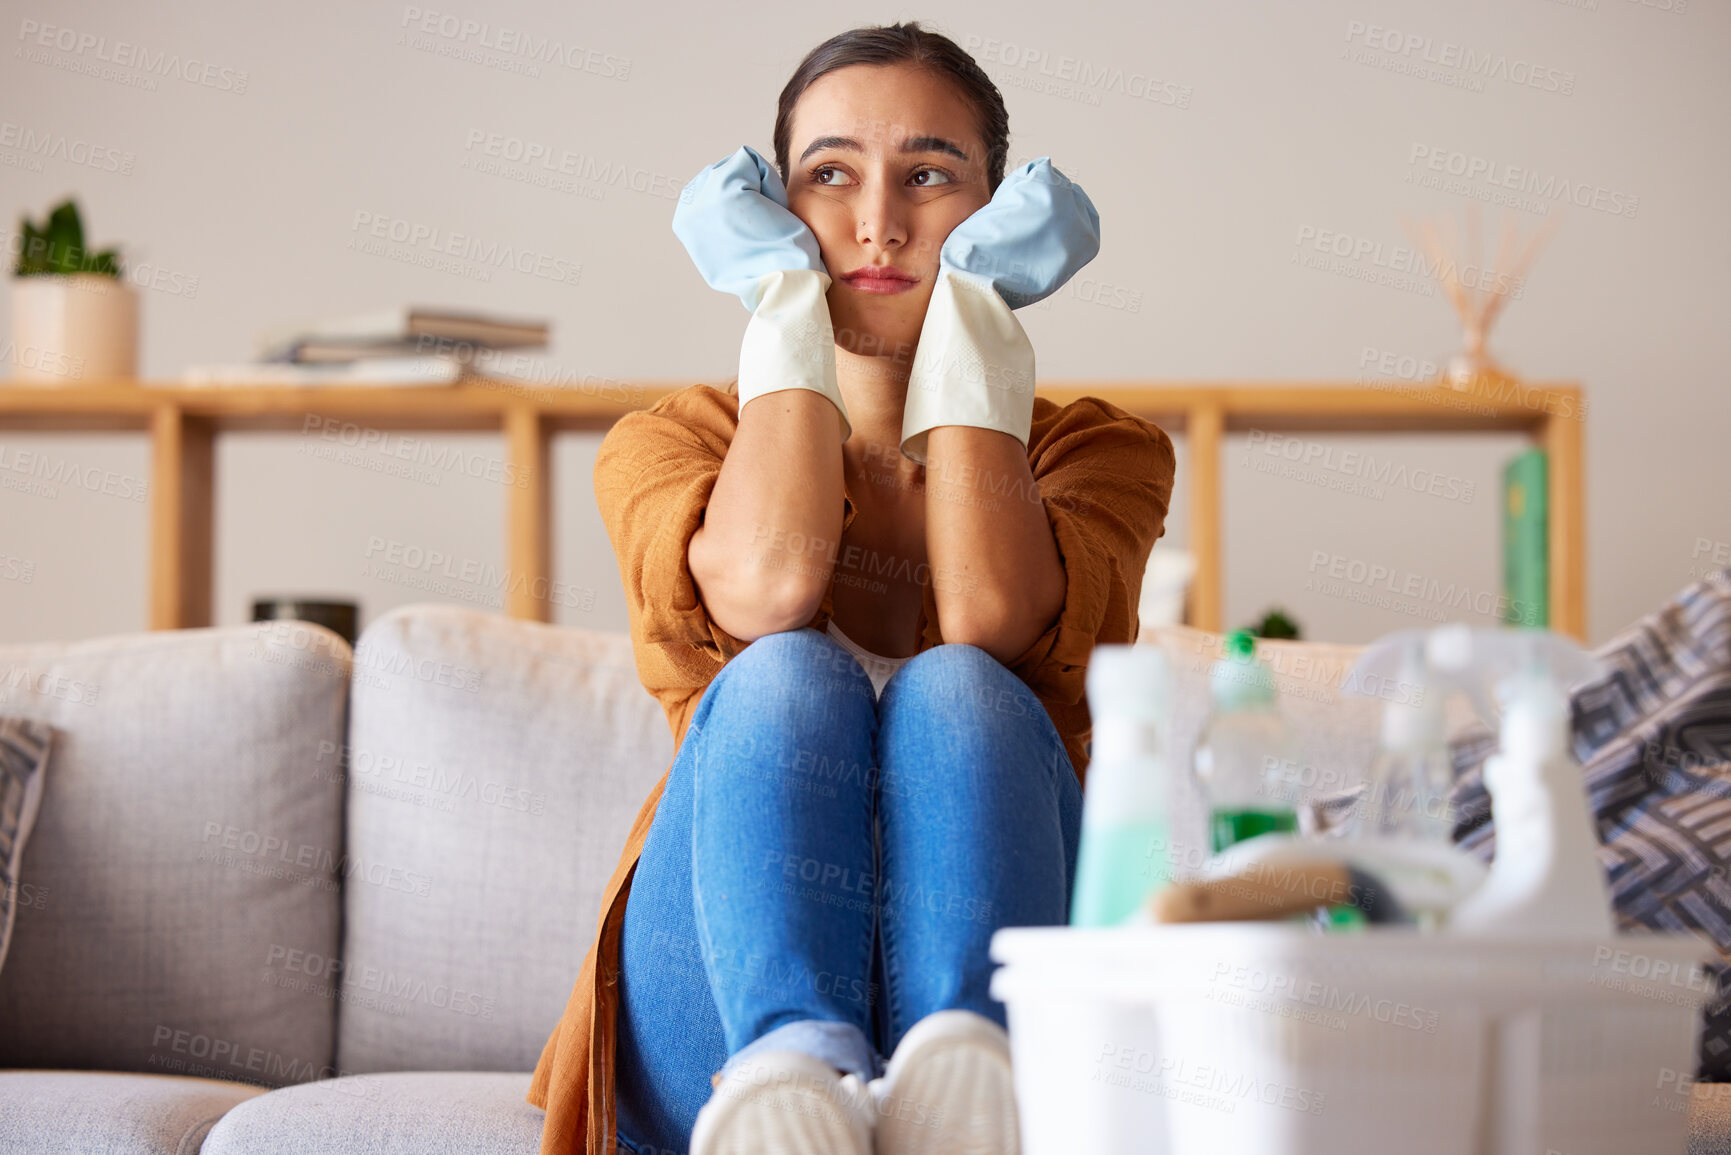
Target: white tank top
x=877 y=667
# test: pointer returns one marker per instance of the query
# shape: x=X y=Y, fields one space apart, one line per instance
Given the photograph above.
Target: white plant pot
x=73 y=330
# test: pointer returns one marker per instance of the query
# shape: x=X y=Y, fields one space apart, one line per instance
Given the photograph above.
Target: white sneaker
x=947 y=1090
x=785 y=1103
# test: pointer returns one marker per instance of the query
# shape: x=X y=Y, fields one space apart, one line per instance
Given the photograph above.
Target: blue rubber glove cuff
x=1038 y=231
x=975 y=365
x=757 y=234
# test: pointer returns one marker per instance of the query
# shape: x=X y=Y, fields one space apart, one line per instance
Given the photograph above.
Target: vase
x=1473 y=369
x=73 y=329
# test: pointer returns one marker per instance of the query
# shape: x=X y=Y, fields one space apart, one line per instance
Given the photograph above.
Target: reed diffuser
x=1478 y=292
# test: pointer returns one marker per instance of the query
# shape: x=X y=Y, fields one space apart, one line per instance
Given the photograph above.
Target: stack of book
x=406 y=346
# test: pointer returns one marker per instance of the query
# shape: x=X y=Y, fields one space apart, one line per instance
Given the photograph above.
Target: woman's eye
x=817 y=174
x=938 y=177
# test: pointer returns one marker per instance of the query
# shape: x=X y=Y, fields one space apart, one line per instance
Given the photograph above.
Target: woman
x=864 y=584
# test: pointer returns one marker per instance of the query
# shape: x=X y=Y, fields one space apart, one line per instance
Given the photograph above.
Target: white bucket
x=1272 y=1040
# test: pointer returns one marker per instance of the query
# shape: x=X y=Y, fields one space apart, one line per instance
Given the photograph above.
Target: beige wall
x=1222 y=142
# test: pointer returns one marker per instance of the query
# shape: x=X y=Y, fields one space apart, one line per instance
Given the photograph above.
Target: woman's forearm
x=763 y=556
x=999 y=580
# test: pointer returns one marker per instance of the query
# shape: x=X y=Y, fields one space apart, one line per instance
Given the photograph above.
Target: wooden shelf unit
x=183 y=423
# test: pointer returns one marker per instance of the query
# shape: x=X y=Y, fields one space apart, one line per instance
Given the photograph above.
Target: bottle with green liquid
x=1244 y=755
x=1126 y=851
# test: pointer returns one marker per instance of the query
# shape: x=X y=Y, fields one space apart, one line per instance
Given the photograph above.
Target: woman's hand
x=975 y=365
x=1038 y=229
x=734 y=221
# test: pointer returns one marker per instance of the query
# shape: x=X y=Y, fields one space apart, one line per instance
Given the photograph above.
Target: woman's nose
x=882 y=216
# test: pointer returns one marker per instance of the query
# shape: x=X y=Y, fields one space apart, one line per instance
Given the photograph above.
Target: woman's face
x=883 y=161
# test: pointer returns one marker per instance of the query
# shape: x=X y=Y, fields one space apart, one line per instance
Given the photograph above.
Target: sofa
x=281 y=896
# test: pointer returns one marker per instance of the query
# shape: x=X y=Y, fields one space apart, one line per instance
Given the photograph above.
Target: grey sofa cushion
x=185 y=840
x=102 y=1113
x=410 y=1113
x=24 y=748
x=493 y=769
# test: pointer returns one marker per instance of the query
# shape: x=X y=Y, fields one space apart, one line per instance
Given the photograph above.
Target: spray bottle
x=1125 y=848
x=1545 y=879
x=1242 y=748
x=1407 y=795
x=1401 y=830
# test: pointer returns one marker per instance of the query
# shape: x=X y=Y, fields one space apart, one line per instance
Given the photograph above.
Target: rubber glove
x=734 y=221
x=975 y=365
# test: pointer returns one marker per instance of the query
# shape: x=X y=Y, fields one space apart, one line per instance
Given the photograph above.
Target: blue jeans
x=826 y=867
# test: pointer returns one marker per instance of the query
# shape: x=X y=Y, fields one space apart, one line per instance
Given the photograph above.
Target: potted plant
x=74 y=319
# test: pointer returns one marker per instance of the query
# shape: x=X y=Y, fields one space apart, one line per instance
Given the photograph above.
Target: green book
x=1526 y=541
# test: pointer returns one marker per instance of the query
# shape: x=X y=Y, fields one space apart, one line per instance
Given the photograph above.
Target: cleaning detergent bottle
x=1125 y=850
x=1545 y=879
x=1407 y=795
x=1401 y=829
x=1245 y=750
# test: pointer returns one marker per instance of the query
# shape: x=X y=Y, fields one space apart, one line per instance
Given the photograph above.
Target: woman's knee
x=957 y=675
x=788 y=679
x=969 y=693
x=798 y=658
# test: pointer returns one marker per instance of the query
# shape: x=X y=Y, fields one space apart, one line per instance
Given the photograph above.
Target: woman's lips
x=883 y=281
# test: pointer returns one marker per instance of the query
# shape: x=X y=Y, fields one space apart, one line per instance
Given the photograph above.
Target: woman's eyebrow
x=911 y=144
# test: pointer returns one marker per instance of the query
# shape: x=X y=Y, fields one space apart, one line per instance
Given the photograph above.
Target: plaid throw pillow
x=1653 y=737
x=23 y=759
